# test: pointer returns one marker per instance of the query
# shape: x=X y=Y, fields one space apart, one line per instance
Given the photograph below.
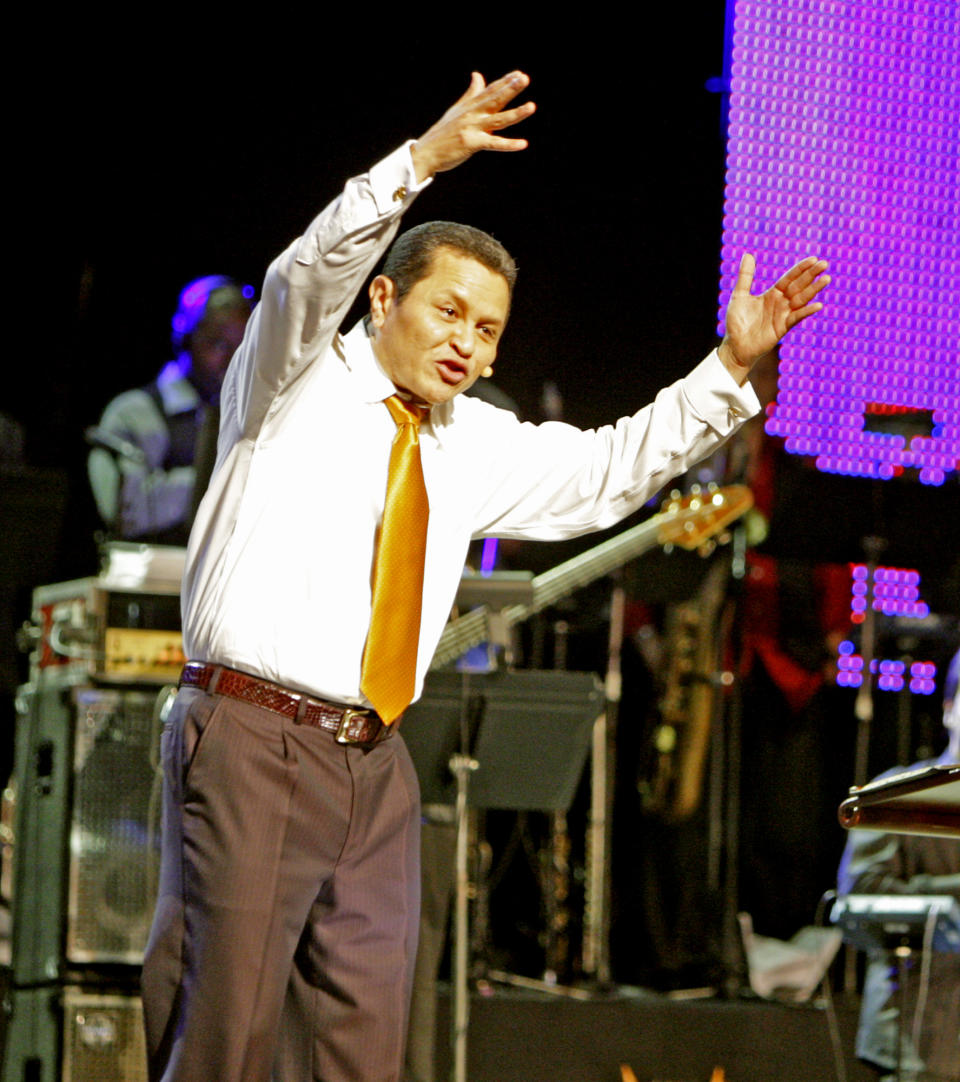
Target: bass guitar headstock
x=698 y=521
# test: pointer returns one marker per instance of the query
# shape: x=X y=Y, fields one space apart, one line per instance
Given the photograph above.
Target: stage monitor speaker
x=86 y=849
x=115 y=835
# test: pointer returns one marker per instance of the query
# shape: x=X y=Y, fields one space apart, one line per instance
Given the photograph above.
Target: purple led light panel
x=844 y=142
x=894 y=591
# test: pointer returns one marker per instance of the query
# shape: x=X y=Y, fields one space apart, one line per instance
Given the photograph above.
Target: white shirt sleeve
x=553 y=481
x=310 y=286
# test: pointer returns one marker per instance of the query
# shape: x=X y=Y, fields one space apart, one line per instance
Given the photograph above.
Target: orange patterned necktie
x=390 y=655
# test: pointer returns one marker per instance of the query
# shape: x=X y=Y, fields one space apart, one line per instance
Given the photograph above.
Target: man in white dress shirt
x=285 y=929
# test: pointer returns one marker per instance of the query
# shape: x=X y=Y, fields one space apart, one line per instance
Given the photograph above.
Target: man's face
x=436 y=342
x=212 y=344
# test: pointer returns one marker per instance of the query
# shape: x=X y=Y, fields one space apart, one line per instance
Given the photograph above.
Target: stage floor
x=520 y=1036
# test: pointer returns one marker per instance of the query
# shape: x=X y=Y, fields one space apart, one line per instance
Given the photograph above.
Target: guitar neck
x=550 y=587
x=459 y=636
x=687 y=523
x=565 y=578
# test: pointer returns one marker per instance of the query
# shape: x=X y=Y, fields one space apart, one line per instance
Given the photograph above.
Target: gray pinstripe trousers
x=283 y=941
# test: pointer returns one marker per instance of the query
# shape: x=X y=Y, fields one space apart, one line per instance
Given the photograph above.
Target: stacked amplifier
x=87 y=787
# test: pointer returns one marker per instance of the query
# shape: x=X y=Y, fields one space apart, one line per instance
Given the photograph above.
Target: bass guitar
x=689 y=522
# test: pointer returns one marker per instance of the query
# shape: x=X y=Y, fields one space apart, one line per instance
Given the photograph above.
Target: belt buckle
x=343 y=737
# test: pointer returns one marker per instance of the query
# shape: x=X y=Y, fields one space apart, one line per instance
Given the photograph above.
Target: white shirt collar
x=356 y=351
x=372 y=383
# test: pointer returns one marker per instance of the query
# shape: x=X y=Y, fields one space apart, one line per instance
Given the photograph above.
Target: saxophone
x=682 y=737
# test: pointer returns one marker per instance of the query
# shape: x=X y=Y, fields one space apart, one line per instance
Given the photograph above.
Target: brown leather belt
x=348 y=725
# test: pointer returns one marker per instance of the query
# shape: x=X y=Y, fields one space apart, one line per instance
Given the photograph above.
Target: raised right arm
x=309 y=287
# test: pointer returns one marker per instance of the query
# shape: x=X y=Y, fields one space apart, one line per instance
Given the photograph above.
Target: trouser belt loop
x=211 y=687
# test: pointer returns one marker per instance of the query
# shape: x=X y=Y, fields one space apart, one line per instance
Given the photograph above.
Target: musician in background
x=155 y=446
x=911 y=864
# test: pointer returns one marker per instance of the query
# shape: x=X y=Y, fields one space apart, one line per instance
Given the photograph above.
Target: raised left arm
x=754 y=325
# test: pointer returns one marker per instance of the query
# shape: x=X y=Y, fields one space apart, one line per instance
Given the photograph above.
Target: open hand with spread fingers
x=471 y=124
x=755 y=324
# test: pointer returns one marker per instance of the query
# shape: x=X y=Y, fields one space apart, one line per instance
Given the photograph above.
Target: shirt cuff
x=717 y=397
x=393 y=181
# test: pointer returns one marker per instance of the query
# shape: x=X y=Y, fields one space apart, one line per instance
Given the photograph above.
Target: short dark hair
x=411 y=256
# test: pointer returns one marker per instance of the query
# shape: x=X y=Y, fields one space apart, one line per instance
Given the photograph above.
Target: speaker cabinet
x=74 y=1034
x=114 y=826
x=87 y=839
x=102 y=1038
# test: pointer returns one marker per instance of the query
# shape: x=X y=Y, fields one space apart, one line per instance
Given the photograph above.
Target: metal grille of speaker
x=114 y=836
x=102 y=1038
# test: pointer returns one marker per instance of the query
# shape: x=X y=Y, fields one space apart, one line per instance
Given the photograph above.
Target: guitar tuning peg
x=707 y=548
x=695 y=490
x=712 y=487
